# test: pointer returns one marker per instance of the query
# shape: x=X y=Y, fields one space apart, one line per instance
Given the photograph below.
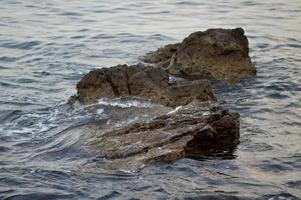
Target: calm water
x=46 y=46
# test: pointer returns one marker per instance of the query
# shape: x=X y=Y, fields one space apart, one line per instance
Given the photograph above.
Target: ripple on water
x=46 y=47
x=40 y=195
x=21 y=45
x=70 y=14
x=8 y=59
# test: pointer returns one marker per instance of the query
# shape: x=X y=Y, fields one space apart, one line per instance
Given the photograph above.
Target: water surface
x=47 y=46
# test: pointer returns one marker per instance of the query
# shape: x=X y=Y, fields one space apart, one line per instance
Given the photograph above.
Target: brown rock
x=195 y=130
x=219 y=54
x=140 y=81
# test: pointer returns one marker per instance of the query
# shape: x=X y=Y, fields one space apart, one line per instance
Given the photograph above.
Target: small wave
x=281 y=196
x=22 y=45
x=42 y=120
x=26 y=80
x=2 y=67
x=8 y=59
x=5 y=84
x=70 y=14
x=41 y=195
x=103 y=36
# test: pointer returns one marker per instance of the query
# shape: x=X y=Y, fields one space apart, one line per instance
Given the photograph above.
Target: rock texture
x=194 y=130
x=140 y=81
x=219 y=54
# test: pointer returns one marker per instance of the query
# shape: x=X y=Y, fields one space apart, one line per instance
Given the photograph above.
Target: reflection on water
x=47 y=46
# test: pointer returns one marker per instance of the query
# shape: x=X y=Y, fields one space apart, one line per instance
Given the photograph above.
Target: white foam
x=124 y=103
x=175 y=110
x=100 y=111
x=39 y=121
x=206 y=113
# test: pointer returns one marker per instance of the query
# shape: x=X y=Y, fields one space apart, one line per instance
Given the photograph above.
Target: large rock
x=219 y=54
x=195 y=130
x=140 y=81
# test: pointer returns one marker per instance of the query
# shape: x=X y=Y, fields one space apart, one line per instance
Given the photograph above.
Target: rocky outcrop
x=198 y=127
x=218 y=54
x=195 y=130
x=141 y=81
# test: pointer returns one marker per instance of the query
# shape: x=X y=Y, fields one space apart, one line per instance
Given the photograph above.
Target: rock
x=218 y=54
x=197 y=127
x=195 y=130
x=140 y=81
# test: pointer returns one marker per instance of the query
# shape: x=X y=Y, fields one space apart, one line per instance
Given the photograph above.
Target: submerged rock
x=141 y=81
x=219 y=54
x=195 y=130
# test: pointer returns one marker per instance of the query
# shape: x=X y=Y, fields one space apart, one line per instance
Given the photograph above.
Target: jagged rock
x=195 y=130
x=140 y=81
x=219 y=54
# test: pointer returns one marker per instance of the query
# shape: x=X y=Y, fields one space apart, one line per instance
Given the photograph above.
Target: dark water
x=46 y=46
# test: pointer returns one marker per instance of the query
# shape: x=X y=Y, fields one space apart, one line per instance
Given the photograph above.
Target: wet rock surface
x=141 y=81
x=218 y=54
x=195 y=130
